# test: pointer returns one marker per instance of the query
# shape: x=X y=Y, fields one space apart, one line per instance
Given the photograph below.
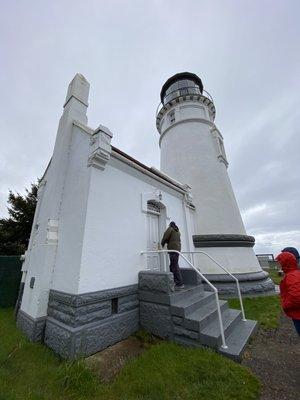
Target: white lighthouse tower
x=192 y=152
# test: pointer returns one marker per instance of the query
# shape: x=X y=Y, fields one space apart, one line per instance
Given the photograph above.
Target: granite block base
x=33 y=328
x=71 y=343
x=251 y=284
x=80 y=325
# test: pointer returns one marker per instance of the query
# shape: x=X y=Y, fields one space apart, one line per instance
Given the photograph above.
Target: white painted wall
x=188 y=154
x=116 y=226
x=91 y=222
x=48 y=231
x=73 y=215
x=235 y=259
x=192 y=152
x=98 y=220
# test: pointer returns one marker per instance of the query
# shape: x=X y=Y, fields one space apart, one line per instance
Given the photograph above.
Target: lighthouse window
x=171 y=116
x=182 y=87
x=222 y=148
x=173 y=87
x=182 y=84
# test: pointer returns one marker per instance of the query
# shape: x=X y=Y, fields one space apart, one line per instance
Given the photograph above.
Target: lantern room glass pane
x=190 y=83
x=182 y=84
x=179 y=88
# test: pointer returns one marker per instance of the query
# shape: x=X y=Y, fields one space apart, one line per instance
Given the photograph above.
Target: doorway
x=153 y=226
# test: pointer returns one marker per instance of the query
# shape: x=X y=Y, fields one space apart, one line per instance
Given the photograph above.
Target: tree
x=15 y=230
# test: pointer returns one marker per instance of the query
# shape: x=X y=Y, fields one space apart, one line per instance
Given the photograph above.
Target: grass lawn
x=165 y=371
x=274 y=275
x=265 y=310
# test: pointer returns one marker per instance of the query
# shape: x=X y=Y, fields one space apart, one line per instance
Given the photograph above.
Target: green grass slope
x=165 y=371
x=265 y=310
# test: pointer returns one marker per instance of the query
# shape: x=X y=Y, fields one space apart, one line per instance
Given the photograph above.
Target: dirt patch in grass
x=274 y=357
x=107 y=363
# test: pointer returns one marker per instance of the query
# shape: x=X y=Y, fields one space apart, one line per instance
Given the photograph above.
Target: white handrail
x=226 y=270
x=206 y=280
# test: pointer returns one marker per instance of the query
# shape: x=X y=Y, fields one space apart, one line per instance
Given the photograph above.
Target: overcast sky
x=247 y=54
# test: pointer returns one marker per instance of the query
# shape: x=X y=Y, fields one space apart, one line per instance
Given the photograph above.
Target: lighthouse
x=192 y=151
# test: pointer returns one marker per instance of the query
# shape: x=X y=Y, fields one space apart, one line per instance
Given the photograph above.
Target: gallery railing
x=185 y=91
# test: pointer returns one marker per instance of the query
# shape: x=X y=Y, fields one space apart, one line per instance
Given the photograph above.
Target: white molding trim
x=157 y=196
x=132 y=164
x=184 y=99
x=101 y=148
x=83 y=127
x=52 y=232
x=188 y=198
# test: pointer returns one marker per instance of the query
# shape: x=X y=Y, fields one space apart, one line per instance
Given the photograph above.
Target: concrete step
x=171 y=298
x=211 y=334
x=180 y=331
x=185 y=306
x=205 y=314
x=186 y=293
x=238 y=339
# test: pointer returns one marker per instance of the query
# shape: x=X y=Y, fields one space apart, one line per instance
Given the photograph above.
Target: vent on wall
x=114 y=306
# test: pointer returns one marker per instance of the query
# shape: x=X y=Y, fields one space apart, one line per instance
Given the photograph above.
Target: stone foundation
x=33 y=328
x=156 y=290
x=251 y=284
x=80 y=325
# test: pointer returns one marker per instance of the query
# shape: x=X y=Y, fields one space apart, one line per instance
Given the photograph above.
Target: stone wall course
x=33 y=328
x=156 y=282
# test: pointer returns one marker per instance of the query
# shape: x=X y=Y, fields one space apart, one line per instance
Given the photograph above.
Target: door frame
x=162 y=222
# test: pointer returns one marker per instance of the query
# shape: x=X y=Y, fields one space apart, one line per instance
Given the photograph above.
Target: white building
x=98 y=208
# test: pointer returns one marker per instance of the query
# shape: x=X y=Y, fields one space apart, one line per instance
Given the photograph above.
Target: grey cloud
x=247 y=54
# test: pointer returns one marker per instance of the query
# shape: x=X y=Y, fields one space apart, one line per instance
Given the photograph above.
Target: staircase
x=190 y=316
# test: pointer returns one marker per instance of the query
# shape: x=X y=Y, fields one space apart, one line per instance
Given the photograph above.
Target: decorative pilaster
x=101 y=148
x=188 y=197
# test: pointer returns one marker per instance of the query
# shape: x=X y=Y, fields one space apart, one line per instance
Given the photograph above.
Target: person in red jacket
x=290 y=287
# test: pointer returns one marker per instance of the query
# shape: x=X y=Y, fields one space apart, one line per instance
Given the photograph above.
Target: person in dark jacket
x=293 y=251
x=172 y=238
x=290 y=287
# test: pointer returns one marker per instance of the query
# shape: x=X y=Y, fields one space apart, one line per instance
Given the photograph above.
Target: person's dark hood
x=174 y=226
x=287 y=261
x=293 y=251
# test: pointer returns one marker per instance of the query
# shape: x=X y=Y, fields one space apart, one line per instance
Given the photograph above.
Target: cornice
x=188 y=98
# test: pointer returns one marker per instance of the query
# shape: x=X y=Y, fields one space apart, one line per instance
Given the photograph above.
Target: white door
x=153 y=260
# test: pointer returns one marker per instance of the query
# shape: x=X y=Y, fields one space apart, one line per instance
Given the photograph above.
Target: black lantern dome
x=182 y=84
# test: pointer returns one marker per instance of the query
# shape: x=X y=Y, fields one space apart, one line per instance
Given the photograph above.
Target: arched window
x=153 y=207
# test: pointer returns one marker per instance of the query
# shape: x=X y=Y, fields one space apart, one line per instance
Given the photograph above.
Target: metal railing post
x=241 y=302
x=229 y=273
x=224 y=346
x=166 y=262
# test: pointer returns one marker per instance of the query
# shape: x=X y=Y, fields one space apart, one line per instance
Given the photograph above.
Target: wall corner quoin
x=101 y=148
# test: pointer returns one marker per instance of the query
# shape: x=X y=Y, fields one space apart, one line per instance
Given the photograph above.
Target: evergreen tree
x=15 y=230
